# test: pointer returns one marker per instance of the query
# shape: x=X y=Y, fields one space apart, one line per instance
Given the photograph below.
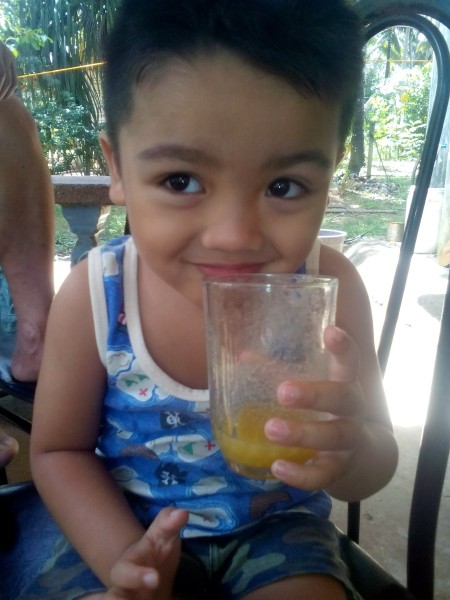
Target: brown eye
x=285 y=188
x=182 y=182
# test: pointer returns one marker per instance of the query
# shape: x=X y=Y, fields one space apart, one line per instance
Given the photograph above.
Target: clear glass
x=262 y=330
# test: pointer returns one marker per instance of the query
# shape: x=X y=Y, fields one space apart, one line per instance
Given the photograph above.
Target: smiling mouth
x=237 y=269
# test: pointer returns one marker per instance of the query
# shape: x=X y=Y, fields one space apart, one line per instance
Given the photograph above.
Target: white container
x=333 y=238
x=428 y=234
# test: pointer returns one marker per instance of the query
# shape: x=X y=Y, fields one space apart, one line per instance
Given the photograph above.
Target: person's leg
x=26 y=232
x=8 y=449
x=306 y=587
x=288 y=555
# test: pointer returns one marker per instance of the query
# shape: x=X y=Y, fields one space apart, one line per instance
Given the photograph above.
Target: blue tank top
x=155 y=436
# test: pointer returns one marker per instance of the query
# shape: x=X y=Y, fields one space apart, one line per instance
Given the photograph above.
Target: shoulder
x=353 y=310
x=336 y=264
x=70 y=334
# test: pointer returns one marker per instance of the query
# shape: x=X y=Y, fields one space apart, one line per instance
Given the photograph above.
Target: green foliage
x=115 y=223
x=398 y=107
x=73 y=39
x=67 y=135
x=397 y=83
x=64 y=238
x=16 y=35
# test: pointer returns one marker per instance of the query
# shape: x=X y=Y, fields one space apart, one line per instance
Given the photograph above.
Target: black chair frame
x=435 y=444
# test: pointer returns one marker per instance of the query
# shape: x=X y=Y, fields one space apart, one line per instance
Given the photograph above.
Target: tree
x=72 y=35
x=399 y=55
x=357 y=154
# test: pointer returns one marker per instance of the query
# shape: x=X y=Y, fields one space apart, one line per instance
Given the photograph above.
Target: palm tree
x=74 y=31
x=403 y=45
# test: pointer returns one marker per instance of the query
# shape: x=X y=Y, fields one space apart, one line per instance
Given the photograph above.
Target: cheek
x=297 y=232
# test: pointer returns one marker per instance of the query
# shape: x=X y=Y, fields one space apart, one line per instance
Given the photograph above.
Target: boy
x=225 y=121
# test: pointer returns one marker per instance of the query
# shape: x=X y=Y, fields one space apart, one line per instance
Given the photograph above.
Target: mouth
x=232 y=269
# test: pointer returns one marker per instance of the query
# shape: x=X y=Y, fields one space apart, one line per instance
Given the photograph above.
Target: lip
x=237 y=269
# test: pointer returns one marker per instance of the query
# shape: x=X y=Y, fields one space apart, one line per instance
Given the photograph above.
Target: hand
x=146 y=570
x=8 y=75
x=8 y=449
x=337 y=438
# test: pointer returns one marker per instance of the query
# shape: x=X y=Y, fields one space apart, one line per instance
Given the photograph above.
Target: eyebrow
x=183 y=153
x=196 y=156
x=309 y=156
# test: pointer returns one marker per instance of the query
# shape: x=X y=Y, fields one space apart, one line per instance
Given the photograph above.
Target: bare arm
x=374 y=458
x=80 y=493
x=8 y=75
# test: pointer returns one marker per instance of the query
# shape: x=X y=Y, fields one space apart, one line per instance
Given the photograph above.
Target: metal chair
x=11 y=387
x=371 y=580
x=20 y=391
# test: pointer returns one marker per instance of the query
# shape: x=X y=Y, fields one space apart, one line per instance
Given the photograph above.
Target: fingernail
x=289 y=394
x=151 y=579
x=280 y=468
x=277 y=428
x=338 y=335
x=9 y=443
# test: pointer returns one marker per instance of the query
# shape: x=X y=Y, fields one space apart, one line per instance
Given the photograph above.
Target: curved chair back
x=433 y=457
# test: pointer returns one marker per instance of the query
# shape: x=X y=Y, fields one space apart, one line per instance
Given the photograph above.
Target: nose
x=234 y=228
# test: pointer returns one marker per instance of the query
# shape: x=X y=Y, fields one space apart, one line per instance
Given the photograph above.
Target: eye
x=183 y=182
x=285 y=188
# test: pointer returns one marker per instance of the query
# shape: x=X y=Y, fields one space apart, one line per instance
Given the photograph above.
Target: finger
x=159 y=539
x=9 y=447
x=344 y=355
x=126 y=575
x=318 y=474
x=341 y=399
x=332 y=435
x=166 y=525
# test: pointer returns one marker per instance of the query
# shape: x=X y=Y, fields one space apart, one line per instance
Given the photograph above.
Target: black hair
x=316 y=46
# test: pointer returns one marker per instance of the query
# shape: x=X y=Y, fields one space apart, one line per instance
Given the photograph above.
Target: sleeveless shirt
x=155 y=435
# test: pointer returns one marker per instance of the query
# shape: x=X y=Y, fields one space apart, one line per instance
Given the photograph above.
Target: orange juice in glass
x=262 y=330
x=246 y=448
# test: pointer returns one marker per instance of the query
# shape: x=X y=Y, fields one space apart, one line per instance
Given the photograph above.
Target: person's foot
x=8 y=448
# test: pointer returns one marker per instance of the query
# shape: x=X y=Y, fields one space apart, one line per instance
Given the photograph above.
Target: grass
x=366 y=214
x=357 y=212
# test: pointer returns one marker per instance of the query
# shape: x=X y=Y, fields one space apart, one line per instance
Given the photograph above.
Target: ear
x=116 y=193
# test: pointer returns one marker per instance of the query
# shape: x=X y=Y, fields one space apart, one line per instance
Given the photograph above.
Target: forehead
x=210 y=95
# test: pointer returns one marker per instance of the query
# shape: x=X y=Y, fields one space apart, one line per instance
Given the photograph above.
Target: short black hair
x=316 y=46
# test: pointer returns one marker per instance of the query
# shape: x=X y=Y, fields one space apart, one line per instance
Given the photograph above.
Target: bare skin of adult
x=26 y=232
x=26 y=206
x=8 y=75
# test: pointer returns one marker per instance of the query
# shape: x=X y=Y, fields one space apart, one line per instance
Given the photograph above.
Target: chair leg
x=23 y=423
x=353 y=521
x=3 y=477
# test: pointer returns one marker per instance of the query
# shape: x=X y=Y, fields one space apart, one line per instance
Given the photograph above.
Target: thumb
x=344 y=359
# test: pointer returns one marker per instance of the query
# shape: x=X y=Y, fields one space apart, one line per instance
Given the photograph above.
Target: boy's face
x=223 y=169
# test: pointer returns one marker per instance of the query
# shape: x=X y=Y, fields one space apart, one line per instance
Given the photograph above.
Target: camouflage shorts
x=40 y=563
x=281 y=546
